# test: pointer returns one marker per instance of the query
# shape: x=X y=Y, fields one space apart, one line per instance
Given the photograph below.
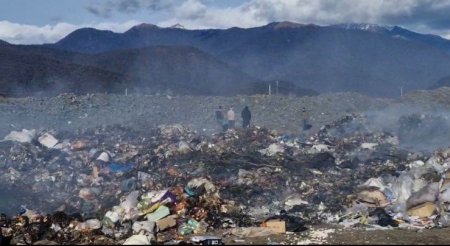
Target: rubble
x=173 y=184
x=25 y=136
x=414 y=197
x=102 y=157
x=48 y=140
x=138 y=240
x=272 y=150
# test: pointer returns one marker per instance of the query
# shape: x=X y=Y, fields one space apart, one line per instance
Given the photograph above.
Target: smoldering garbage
x=169 y=185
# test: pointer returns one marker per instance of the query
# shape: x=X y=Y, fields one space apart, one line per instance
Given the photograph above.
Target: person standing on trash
x=246 y=116
x=220 y=118
x=306 y=125
x=231 y=117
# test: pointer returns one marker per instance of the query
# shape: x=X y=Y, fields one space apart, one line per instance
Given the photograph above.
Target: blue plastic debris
x=120 y=168
x=189 y=191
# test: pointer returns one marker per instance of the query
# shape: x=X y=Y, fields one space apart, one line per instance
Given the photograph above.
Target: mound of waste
x=116 y=185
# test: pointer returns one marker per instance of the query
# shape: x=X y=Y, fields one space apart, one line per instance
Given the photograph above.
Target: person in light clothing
x=231 y=117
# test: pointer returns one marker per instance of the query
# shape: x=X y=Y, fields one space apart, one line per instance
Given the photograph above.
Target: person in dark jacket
x=246 y=116
x=306 y=123
x=220 y=119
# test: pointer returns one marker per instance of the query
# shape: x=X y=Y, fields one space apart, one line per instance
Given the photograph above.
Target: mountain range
x=305 y=59
x=398 y=32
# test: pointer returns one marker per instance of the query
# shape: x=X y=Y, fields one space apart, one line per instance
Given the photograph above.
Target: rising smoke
x=417 y=128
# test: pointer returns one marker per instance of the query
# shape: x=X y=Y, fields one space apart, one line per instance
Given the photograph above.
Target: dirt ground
x=335 y=234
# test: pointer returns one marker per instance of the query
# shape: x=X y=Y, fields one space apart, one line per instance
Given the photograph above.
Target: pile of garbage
x=417 y=197
x=117 y=185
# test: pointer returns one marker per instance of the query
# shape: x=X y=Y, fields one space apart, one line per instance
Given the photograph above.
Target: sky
x=47 y=21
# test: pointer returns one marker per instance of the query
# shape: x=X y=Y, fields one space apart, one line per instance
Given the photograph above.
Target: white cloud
x=114 y=26
x=445 y=34
x=107 y=8
x=191 y=9
x=427 y=16
x=431 y=14
x=29 y=34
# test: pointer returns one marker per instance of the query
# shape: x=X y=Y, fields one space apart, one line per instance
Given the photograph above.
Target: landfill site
x=157 y=169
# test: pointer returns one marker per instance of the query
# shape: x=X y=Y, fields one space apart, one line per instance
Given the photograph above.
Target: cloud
x=29 y=34
x=425 y=13
x=106 y=9
x=191 y=9
x=426 y=16
x=103 y=12
x=420 y=15
x=429 y=16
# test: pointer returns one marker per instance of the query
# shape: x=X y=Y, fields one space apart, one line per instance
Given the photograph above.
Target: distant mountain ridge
x=4 y=42
x=399 y=32
x=370 y=59
x=364 y=27
x=121 y=39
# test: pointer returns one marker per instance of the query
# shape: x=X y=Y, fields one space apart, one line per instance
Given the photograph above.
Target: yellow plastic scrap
x=364 y=220
x=95 y=171
x=372 y=198
x=423 y=210
x=399 y=221
x=149 y=209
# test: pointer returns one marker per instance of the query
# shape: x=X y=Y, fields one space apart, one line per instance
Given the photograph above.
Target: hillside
x=183 y=70
x=442 y=82
x=42 y=70
x=3 y=42
x=25 y=73
x=90 y=40
x=330 y=60
x=325 y=59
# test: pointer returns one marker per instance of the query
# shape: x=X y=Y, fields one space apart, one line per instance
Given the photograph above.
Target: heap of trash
x=417 y=197
x=118 y=185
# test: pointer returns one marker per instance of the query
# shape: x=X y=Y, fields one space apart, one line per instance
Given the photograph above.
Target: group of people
x=229 y=123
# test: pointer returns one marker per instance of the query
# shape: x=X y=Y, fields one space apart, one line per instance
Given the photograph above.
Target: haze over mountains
x=370 y=59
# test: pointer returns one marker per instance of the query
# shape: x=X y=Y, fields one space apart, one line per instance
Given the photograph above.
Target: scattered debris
x=172 y=184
